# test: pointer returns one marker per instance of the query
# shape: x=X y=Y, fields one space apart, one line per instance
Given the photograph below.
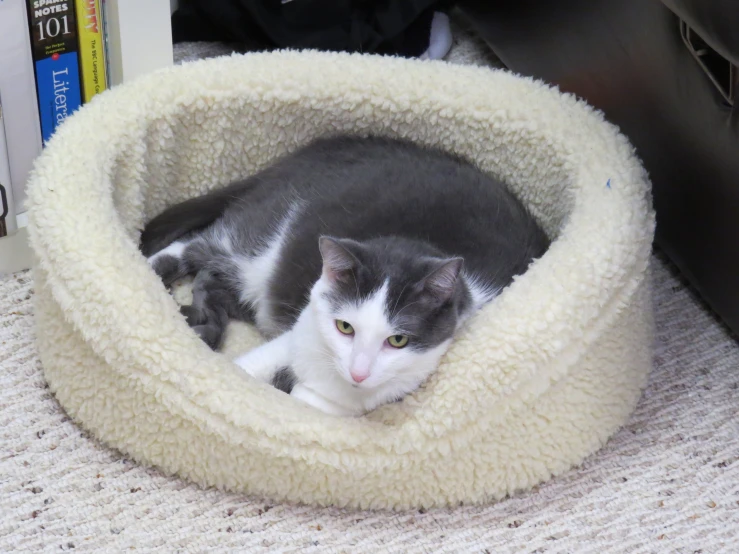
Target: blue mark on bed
x=608 y=184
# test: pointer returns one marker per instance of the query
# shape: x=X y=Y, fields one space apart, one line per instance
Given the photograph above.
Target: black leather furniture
x=666 y=73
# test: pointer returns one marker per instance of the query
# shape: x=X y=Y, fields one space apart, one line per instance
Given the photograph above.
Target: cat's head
x=386 y=309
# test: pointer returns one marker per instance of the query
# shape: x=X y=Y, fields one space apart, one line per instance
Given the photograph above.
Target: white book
x=8 y=224
x=18 y=92
x=138 y=36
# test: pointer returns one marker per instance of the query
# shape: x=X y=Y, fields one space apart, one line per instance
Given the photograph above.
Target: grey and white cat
x=358 y=257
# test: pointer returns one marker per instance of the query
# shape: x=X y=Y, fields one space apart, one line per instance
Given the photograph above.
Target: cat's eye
x=344 y=327
x=397 y=341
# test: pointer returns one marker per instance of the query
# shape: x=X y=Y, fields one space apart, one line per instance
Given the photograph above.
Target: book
x=55 y=50
x=138 y=37
x=106 y=41
x=18 y=89
x=91 y=48
x=7 y=209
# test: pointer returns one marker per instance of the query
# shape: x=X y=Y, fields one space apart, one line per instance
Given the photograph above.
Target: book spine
x=7 y=208
x=106 y=41
x=54 y=46
x=92 y=48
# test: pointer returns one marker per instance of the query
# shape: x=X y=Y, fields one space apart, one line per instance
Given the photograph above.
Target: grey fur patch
x=168 y=268
x=284 y=379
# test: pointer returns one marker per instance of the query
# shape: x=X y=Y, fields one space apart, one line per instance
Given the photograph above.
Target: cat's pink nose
x=358 y=377
x=360 y=368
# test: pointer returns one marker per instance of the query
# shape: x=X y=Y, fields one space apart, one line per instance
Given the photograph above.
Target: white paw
x=246 y=362
x=306 y=395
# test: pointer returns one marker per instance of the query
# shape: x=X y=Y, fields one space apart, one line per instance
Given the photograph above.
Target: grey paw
x=210 y=334
x=193 y=316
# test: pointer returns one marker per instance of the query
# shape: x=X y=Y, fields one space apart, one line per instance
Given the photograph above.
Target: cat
x=359 y=258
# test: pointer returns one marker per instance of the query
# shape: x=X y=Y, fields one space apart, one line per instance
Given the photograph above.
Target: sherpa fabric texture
x=540 y=379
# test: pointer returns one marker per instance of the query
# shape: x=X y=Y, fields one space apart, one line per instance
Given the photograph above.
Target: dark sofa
x=666 y=73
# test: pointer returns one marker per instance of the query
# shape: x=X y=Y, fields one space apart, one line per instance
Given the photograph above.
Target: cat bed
x=538 y=380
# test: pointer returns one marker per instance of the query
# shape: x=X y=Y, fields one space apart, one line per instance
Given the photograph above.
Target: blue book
x=58 y=85
x=54 y=45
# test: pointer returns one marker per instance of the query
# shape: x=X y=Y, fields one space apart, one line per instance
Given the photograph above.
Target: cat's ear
x=338 y=261
x=441 y=283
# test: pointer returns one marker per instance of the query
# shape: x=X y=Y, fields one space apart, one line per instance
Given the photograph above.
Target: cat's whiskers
x=288 y=306
x=406 y=307
x=356 y=283
x=399 y=296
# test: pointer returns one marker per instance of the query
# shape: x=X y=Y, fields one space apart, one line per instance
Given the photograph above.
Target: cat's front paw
x=247 y=362
x=194 y=317
x=210 y=334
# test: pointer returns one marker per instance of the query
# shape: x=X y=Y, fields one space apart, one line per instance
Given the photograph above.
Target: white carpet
x=667 y=482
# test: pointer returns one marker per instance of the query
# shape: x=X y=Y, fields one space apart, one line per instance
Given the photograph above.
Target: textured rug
x=667 y=482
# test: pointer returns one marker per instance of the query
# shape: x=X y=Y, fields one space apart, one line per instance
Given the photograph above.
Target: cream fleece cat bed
x=539 y=380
